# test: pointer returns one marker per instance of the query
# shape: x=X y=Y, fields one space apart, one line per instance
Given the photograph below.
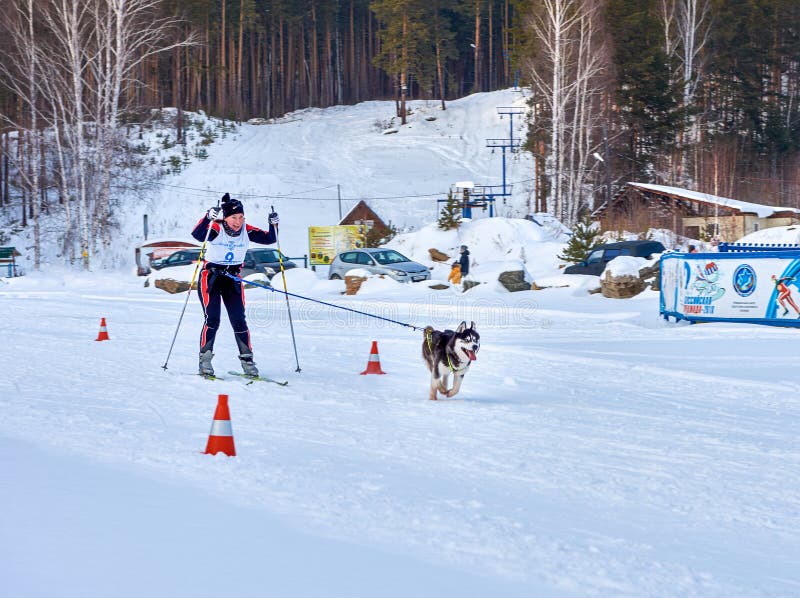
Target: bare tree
x=20 y=27
x=687 y=28
x=73 y=63
x=566 y=75
x=69 y=26
x=127 y=33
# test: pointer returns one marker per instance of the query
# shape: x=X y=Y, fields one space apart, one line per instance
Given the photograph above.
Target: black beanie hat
x=231 y=206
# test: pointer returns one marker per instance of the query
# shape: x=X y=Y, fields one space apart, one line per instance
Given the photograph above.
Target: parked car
x=378 y=261
x=596 y=261
x=265 y=261
x=182 y=257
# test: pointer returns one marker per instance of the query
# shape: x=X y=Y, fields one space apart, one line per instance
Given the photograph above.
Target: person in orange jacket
x=455 y=273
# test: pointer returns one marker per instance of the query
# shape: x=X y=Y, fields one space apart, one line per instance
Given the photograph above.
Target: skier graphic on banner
x=785 y=294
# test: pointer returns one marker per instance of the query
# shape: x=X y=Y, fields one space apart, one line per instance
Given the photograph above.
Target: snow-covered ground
x=594 y=450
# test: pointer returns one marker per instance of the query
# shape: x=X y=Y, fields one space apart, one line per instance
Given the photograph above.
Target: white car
x=378 y=261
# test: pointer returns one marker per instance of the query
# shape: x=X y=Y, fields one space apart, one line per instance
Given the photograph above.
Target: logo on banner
x=703 y=289
x=744 y=280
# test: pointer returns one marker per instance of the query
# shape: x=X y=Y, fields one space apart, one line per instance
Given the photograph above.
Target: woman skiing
x=228 y=240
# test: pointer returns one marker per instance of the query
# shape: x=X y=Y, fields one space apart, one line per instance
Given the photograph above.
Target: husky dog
x=447 y=351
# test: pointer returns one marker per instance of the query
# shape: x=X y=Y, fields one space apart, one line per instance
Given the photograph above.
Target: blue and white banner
x=762 y=288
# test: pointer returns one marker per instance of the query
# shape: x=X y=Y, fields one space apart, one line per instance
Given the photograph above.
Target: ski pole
x=288 y=308
x=189 y=292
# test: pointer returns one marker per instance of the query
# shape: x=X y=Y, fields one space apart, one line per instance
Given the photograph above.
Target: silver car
x=378 y=261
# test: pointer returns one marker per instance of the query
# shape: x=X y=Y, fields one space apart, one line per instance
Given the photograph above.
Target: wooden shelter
x=639 y=207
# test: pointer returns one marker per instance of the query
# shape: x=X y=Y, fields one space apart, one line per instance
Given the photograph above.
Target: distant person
x=228 y=241
x=455 y=273
x=692 y=249
x=464 y=261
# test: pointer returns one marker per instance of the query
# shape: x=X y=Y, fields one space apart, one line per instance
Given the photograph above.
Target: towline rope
x=363 y=313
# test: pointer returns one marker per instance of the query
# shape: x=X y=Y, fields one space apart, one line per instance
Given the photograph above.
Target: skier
x=228 y=241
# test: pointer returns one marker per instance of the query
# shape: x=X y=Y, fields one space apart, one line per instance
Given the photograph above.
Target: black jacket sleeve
x=200 y=229
x=257 y=235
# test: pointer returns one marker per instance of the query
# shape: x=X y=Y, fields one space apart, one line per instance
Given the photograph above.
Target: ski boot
x=205 y=368
x=248 y=366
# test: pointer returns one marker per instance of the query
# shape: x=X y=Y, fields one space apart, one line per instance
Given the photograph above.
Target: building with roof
x=640 y=206
x=361 y=213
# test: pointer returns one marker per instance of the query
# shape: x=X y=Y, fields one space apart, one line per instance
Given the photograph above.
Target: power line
x=288 y=196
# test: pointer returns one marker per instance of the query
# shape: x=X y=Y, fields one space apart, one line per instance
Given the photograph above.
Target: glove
x=273 y=219
x=214 y=214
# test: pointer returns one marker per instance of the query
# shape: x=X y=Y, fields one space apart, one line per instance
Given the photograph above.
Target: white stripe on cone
x=221 y=427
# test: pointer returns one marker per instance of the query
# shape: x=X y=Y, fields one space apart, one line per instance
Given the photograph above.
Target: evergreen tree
x=585 y=237
x=450 y=216
x=650 y=101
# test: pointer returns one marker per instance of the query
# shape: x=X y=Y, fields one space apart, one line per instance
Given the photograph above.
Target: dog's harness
x=429 y=338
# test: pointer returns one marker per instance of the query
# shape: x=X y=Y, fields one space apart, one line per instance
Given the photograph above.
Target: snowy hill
x=297 y=163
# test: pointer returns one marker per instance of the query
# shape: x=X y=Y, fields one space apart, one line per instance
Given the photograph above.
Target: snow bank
x=362 y=272
x=626 y=265
x=777 y=235
x=495 y=245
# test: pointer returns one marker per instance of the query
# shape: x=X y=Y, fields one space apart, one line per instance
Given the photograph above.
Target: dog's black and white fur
x=447 y=352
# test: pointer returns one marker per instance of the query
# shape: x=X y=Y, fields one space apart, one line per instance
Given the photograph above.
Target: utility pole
x=403 y=92
x=339 y=195
x=607 y=161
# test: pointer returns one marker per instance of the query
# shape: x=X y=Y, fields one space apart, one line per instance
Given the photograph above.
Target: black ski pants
x=215 y=287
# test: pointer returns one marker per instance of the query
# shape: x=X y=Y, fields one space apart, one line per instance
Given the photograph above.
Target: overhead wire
x=295 y=197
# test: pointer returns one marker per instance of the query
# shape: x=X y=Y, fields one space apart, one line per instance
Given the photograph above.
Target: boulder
x=621 y=287
x=171 y=286
x=439 y=286
x=438 y=256
x=652 y=275
x=468 y=284
x=353 y=284
x=514 y=280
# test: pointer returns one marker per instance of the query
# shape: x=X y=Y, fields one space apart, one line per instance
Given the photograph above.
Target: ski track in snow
x=659 y=462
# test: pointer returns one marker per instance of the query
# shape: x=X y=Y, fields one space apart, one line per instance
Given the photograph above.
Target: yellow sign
x=324 y=242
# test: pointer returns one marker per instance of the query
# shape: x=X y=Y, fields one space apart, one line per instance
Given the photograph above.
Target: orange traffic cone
x=374 y=363
x=103 y=334
x=220 y=439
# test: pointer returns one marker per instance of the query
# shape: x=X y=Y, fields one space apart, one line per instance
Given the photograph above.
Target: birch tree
x=69 y=25
x=687 y=28
x=566 y=75
x=127 y=33
x=20 y=27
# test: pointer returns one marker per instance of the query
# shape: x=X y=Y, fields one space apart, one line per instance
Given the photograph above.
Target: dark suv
x=183 y=257
x=264 y=261
x=596 y=262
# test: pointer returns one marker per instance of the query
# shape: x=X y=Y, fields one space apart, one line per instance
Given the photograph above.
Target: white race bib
x=226 y=250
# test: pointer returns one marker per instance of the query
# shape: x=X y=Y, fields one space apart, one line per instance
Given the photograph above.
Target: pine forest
x=694 y=93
